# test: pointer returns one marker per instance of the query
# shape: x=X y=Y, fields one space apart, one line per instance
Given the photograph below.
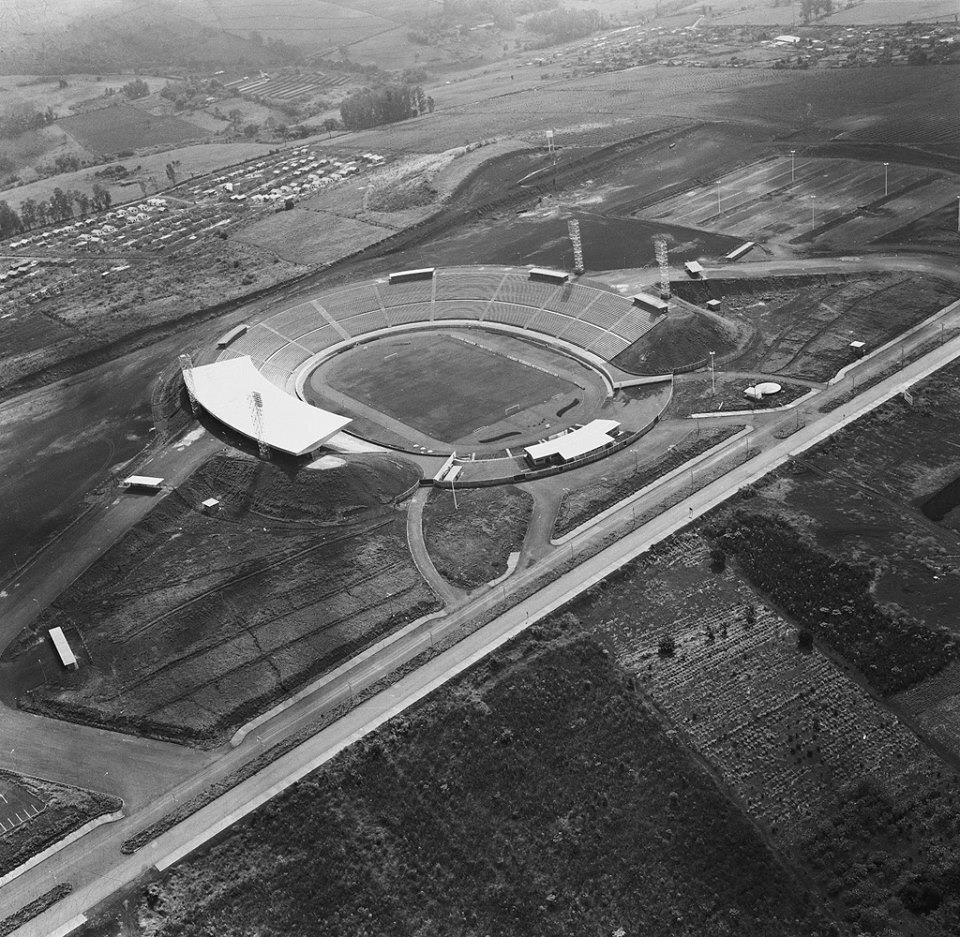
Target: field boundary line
x=842 y=373
x=62 y=843
x=656 y=483
x=318 y=684
x=784 y=408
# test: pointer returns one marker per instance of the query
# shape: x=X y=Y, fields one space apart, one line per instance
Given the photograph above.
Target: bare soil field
x=832 y=203
x=119 y=128
x=698 y=393
x=34 y=814
x=470 y=539
x=581 y=504
x=937 y=231
x=192 y=623
x=538 y=794
x=681 y=342
x=803 y=326
x=94 y=310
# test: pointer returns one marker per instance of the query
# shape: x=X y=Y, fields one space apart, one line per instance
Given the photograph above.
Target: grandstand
x=588 y=316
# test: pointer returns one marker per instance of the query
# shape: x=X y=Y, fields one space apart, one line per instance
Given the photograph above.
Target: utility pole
x=713 y=374
x=793 y=165
x=813 y=211
x=718 y=197
x=886 y=188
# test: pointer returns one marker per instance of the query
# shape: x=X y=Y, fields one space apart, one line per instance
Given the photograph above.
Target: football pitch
x=440 y=385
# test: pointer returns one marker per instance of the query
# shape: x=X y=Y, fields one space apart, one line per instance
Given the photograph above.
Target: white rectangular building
x=63 y=649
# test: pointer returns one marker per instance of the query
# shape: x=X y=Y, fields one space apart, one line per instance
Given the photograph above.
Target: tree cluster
x=62 y=205
x=23 y=116
x=135 y=89
x=562 y=25
x=811 y=9
x=371 y=107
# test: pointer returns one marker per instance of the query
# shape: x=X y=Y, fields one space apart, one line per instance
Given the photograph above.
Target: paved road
x=94 y=864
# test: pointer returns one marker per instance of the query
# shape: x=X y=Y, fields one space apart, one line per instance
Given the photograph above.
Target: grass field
x=310 y=237
x=120 y=127
x=48 y=811
x=192 y=623
x=537 y=795
x=471 y=539
x=440 y=385
x=802 y=326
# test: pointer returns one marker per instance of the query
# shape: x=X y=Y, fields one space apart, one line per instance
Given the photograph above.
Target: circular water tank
x=767 y=388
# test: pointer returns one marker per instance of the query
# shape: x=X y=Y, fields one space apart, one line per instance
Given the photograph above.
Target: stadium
x=485 y=372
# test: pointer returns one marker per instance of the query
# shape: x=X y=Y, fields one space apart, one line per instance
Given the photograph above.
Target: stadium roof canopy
x=225 y=389
x=579 y=442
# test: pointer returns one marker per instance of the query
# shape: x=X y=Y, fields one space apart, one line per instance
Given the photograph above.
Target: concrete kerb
x=847 y=368
x=731 y=443
x=61 y=844
x=512 y=561
x=244 y=730
x=741 y=413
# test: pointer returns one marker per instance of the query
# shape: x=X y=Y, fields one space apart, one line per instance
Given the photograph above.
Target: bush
x=667 y=646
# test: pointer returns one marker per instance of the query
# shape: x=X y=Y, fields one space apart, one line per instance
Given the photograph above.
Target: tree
x=101 y=197
x=667 y=646
x=10 y=222
x=171 y=173
x=235 y=118
x=42 y=211
x=137 y=88
x=82 y=200
x=28 y=213
x=330 y=124
x=251 y=130
x=61 y=205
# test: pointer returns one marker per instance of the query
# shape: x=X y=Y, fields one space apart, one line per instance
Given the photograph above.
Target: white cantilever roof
x=225 y=389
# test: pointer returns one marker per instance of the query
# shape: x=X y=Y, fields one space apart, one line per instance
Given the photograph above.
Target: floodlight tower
x=573 y=226
x=256 y=414
x=663 y=262
x=186 y=368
